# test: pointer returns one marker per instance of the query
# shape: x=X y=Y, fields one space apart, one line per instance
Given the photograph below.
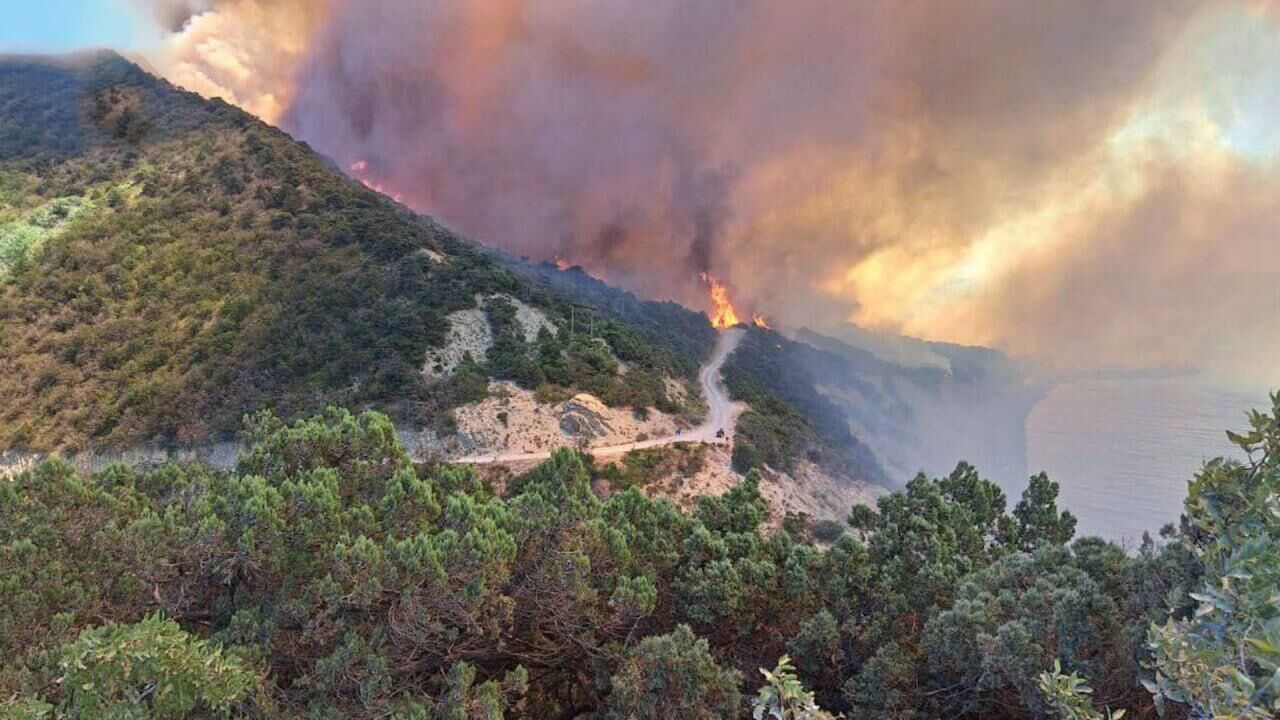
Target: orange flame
x=562 y=264
x=723 y=315
x=361 y=170
x=760 y=321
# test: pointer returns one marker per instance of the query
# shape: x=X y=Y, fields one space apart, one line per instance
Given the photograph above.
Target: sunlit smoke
x=1082 y=180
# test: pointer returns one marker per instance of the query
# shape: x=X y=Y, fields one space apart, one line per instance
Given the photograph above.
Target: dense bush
x=327 y=577
x=673 y=676
x=1223 y=660
x=640 y=468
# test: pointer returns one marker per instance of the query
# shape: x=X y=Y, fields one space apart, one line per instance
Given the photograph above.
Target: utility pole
x=591 y=318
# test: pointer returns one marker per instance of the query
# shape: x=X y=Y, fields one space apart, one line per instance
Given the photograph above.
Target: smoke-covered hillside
x=925 y=406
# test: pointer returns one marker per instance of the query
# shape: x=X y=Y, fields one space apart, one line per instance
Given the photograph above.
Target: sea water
x=1123 y=450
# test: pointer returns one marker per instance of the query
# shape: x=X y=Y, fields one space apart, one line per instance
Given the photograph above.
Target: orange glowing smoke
x=723 y=315
x=760 y=321
x=361 y=170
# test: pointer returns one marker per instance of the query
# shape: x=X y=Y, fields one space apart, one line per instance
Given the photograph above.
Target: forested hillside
x=327 y=576
x=168 y=264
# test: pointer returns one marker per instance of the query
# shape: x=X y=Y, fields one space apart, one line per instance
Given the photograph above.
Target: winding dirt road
x=721 y=414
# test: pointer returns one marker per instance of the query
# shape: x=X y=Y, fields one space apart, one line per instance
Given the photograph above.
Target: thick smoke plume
x=1085 y=180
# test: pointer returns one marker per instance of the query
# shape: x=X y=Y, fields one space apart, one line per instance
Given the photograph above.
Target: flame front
x=723 y=314
x=760 y=321
x=361 y=170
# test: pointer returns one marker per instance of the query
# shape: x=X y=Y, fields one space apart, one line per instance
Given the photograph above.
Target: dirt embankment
x=511 y=421
x=807 y=489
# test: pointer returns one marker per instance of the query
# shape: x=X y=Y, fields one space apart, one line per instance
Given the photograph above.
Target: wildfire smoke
x=1101 y=205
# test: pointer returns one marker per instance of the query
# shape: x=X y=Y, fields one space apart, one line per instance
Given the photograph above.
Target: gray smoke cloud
x=171 y=15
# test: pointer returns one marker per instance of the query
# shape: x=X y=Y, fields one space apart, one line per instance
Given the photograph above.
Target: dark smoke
x=605 y=132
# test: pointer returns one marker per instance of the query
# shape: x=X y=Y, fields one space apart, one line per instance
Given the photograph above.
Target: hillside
x=169 y=265
x=914 y=403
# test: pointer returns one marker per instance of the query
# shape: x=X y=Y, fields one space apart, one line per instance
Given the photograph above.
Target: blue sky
x=63 y=25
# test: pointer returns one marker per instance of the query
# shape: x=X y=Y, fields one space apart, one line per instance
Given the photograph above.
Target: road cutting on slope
x=717 y=429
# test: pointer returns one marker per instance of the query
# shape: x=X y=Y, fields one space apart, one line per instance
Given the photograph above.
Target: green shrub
x=673 y=676
x=150 y=670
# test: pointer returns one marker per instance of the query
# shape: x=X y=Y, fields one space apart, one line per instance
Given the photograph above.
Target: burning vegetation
x=722 y=311
x=360 y=169
x=723 y=314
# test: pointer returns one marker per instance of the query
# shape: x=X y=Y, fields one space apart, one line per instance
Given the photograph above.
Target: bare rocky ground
x=511 y=420
x=510 y=432
x=808 y=489
x=469 y=333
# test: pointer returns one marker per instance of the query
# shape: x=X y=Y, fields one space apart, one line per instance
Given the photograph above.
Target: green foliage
x=1038 y=521
x=662 y=337
x=150 y=670
x=1069 y=696
x=673 y=676
x=644 y=467
x=1015 y=616
x=365 y=587
x=933 y=534
x=826 y=531
x=462 y=698
x=887 y=686
x=789 y=419
x=510 y=357
x=27 y=231
x=226 y=268
x=783 y=696
x=775 y=436
x=1224 y=661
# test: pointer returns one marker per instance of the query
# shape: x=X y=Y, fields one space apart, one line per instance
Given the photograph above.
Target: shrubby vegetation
x=641 y=468
x=168 y=264
x=580 y=359
x=662 y=336
x=327 y=576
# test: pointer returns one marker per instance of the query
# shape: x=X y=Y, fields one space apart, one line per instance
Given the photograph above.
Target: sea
x=1123 y=450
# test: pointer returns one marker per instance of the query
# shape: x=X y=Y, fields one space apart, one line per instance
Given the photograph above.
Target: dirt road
x=721 y=413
